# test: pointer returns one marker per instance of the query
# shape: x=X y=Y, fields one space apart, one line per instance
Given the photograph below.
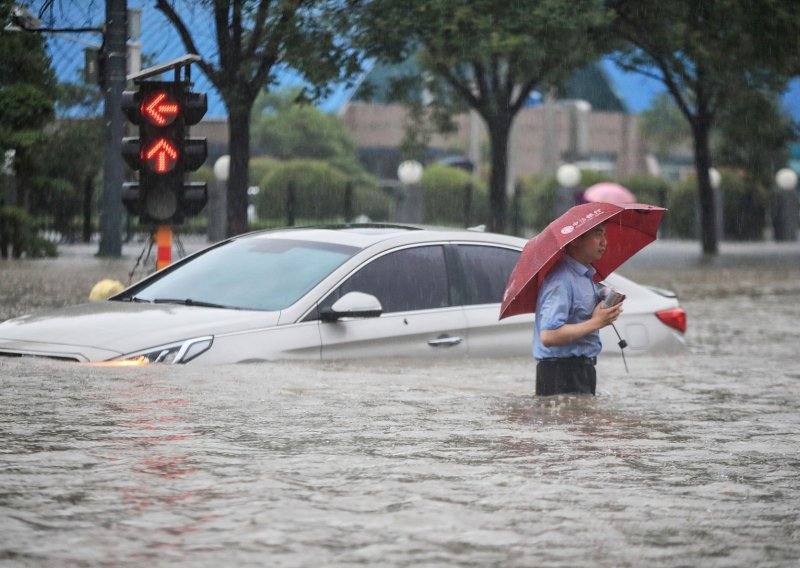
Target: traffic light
x=162 y=153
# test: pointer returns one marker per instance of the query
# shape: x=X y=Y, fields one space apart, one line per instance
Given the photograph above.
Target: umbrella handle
x=622 y=345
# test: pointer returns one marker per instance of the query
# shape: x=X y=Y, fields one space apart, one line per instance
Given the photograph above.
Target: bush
x=648 y=189
x=18 y=237
x=681 y=219
x=538 y=201
x=319 y=193
x=539 y=197
x=372 y=201
x=259 y=167
x=445 y=196
x=744 y=207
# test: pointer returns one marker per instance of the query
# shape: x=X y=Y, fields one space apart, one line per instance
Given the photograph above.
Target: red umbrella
x=608 y=192
x=629 y=228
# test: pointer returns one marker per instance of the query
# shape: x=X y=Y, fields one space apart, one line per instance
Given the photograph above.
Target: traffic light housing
x=163 y=153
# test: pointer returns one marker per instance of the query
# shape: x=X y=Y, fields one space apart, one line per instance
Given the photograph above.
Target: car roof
x=364 y=235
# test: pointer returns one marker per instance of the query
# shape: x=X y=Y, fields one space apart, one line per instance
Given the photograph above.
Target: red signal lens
x=160 y=157
x=674 y=318
x=159 y=109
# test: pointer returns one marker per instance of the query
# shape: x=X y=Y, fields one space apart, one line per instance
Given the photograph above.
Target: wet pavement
x=686 y=461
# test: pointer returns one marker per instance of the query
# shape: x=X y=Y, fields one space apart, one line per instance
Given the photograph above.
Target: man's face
x=590 y=246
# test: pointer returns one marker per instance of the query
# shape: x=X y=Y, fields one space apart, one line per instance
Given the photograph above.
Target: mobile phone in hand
x=613 y=298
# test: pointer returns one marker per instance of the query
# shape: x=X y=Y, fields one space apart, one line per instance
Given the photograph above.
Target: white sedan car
x=325 y=293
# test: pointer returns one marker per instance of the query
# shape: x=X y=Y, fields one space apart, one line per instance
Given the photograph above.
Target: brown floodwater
x=685 y=461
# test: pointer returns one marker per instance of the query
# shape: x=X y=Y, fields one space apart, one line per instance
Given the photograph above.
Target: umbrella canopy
x=608 y=192
x=629 y=228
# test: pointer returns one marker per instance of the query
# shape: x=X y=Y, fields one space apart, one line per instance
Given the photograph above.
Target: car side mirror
x=352 y=305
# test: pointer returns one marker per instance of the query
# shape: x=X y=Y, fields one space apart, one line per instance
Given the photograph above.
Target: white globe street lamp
x=217 y=200
x=410 y=199
x=786 y=179
x=409 y=172
x=568 y=175
x=785 y=206
x=569 y=178
x=222 y=168
x=714 y=177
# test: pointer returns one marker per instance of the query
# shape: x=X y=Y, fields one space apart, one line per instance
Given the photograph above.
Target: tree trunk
x=499 y=129
x=708 y=205
x=239 y=149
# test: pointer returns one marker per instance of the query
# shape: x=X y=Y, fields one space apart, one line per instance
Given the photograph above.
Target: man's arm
x=569 y=332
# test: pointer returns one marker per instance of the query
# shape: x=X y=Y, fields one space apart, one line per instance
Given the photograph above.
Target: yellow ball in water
x=104 y=289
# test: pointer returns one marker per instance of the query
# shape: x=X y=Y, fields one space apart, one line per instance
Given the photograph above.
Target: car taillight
x=675 y=318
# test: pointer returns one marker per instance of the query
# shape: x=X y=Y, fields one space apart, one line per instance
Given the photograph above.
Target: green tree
x=69 y=161
x=284 y=129
x=491 y=55
x=256 y=39
x=754 y=134
x=664 y=126
x=27 y=98
x=707 y=53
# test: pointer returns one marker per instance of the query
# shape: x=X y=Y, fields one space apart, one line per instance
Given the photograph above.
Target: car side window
x=486 y=272
x=408 y=279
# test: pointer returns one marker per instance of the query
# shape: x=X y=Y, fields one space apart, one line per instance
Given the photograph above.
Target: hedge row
x=744 y=204
x=452 y=197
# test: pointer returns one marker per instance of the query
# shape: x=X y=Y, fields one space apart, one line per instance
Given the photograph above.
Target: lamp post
x=715 y=178
x=785 y=206
x=569 y=178
x=216 y=200
x=411 y=204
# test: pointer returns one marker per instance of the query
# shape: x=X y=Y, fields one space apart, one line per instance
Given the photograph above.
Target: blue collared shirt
x=568 y=295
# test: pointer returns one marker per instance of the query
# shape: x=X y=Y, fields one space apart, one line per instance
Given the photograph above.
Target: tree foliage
x=664 y=127
x=255 y=40
x=491 y=56
x=754 y=135
x=27 y=96
x=709 y=54
x=285 y=129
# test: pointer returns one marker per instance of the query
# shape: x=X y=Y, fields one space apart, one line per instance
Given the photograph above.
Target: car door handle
x=444 y=341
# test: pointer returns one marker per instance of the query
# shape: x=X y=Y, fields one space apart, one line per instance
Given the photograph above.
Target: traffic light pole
x=163 y=153
x=113 y=86
x=163 y=246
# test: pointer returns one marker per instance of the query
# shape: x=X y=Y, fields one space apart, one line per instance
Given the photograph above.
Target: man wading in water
x=569 y=316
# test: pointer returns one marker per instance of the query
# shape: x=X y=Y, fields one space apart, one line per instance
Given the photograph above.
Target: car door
x=418 y=318
x=485 y=270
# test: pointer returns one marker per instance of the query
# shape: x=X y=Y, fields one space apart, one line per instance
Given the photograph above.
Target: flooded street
x=685 y=461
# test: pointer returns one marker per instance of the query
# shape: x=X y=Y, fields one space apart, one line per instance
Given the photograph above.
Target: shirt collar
x=579 y=268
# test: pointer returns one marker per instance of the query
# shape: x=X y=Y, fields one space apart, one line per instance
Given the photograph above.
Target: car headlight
x=171 y=353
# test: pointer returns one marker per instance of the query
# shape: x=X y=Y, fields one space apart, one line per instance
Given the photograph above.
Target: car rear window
x=486 y=272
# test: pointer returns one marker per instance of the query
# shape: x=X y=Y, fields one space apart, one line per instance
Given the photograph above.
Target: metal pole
x=291 y=204
x=164 y=246
x=113 y=85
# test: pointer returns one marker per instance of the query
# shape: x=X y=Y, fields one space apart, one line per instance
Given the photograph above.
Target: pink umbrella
x=608 y=192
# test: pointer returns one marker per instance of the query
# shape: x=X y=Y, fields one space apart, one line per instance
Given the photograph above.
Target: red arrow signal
x=160 y=109
x=160 y=156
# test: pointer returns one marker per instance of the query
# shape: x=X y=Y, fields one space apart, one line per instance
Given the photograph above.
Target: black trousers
x=572 y=375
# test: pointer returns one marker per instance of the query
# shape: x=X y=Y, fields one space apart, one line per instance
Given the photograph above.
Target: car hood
x=104 y=330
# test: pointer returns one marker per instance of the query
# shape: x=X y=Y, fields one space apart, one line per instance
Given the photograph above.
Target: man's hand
x=602 y=316
x=569 y=332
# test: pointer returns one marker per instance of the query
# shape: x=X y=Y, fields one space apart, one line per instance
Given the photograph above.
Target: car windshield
x=251 y=273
